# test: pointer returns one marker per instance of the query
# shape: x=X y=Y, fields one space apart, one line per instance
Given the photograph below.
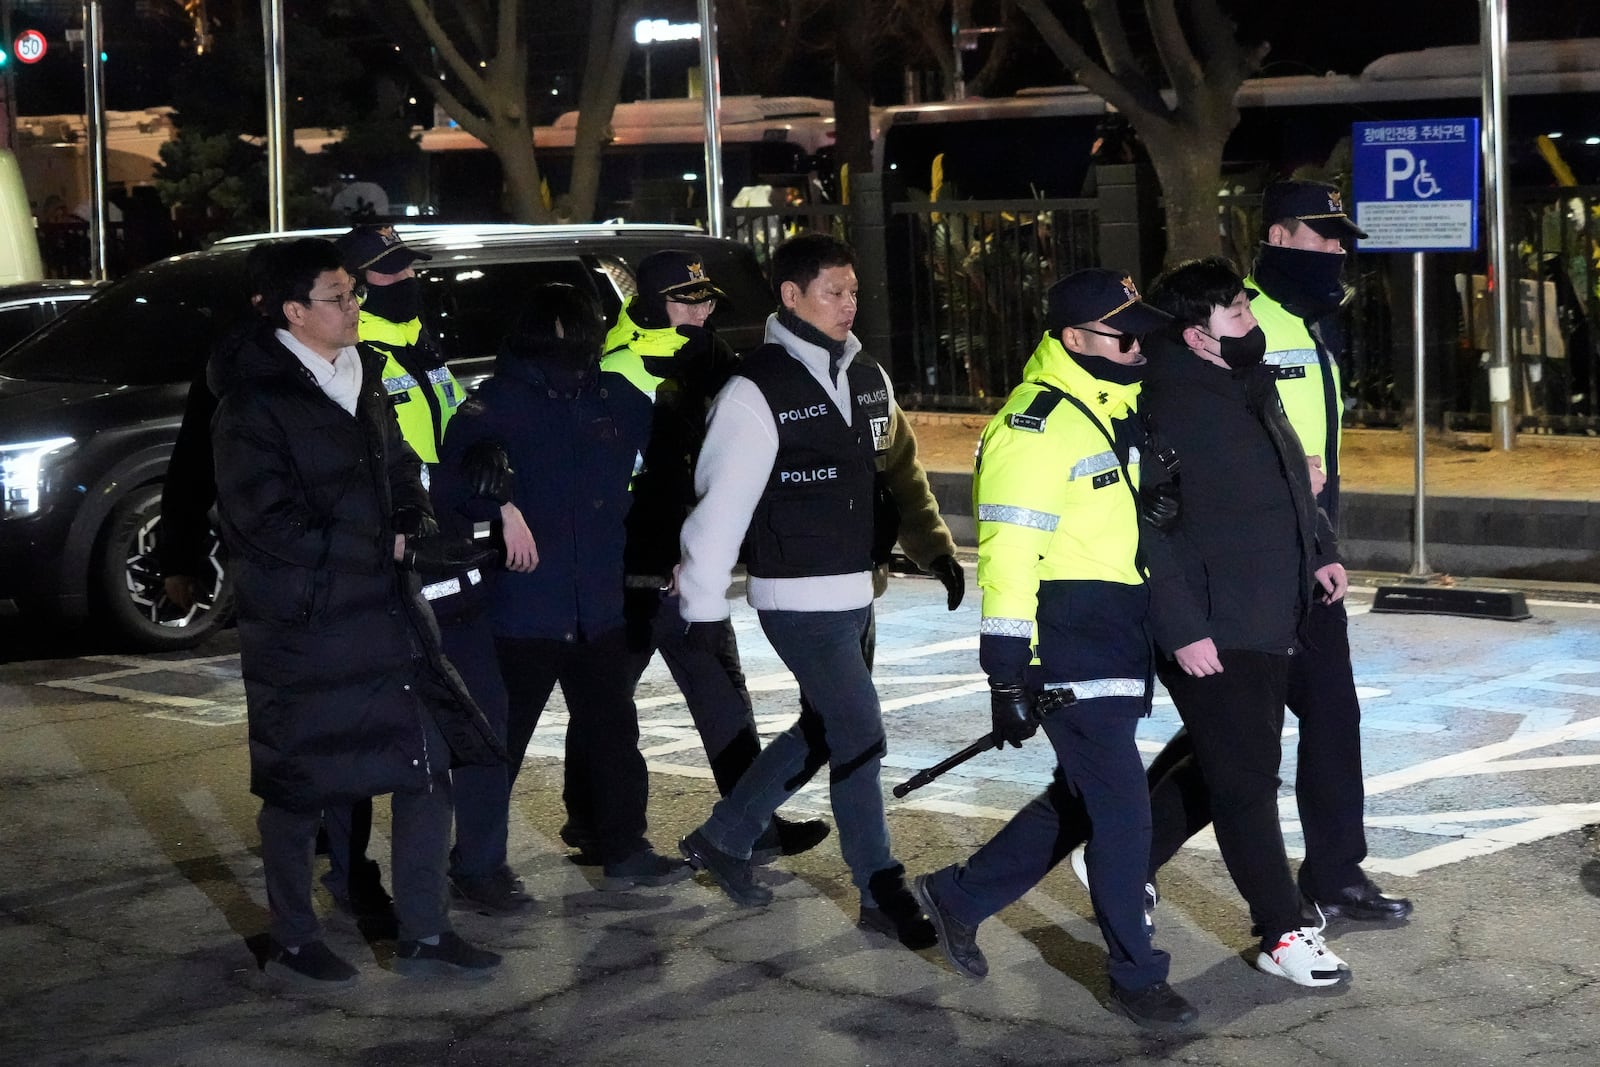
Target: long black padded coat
x=340 y=653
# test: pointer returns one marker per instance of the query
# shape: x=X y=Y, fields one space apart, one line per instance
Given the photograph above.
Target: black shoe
x=895 y=911
x=581 y=842
x=451 y=957
x=1158 y=1006
x=500 y=893
x=1363 y=902
x=730 y=872
x=958 y=940
x=785 y=838
x=313 y=963
x=644 y=868
x=368 y=899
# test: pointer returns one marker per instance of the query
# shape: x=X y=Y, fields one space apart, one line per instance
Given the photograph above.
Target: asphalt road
x=131 y=893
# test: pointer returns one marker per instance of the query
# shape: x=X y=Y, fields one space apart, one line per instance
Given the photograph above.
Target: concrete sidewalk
x=1532 y=513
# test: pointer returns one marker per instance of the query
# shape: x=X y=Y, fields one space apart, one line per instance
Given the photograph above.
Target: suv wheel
x=130 y=589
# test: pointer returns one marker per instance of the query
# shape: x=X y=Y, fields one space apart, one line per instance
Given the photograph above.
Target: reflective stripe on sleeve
x=1098 y=463
x=449 y=587
x=1037 y=520
x=439 y=375
x=400 y=384
x=1007 y=627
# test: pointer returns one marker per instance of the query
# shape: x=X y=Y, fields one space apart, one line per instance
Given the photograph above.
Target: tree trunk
x=512 y=142
x=852 y=93
x=610 y=42
x=1188 y=166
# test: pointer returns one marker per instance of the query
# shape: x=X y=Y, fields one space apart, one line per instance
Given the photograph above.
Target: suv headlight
x=21 y=467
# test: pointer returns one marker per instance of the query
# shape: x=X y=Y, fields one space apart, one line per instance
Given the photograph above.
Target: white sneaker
x=1078 y=857
x=1305 y=959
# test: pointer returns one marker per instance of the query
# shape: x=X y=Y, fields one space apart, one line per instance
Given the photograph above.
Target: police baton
x=983 y=744
x=1043 y=704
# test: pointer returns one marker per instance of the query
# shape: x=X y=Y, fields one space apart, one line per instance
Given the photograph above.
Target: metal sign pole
x=94 y=85
x=712 y=95
x=277 y=115
x=1419 y=551
x=1502 y=405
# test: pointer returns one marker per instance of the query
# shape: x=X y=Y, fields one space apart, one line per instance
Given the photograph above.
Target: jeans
x=1099 y=786
x=420 y=838
x=824 y=651
x=611 y=786
x=1234 y=720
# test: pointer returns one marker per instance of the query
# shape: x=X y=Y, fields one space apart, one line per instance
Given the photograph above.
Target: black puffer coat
x=1238 y=568
x=340 y=654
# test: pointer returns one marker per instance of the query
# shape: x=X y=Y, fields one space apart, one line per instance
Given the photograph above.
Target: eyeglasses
x=1125 y=341
x=346 y=300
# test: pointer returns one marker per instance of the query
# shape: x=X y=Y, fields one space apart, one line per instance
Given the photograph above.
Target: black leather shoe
x=895 y=910
x=958 y=940
x=1363 y=902
x=1156 y=1007
x=785 y=838
x=730 y=872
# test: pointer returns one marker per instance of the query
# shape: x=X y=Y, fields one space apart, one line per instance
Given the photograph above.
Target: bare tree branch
x=1182 y=69
x=463 y=70
x=1145 y=99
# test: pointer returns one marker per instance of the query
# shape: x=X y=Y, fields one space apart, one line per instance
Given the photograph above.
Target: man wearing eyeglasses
x=1058 y=499
x=348 y=693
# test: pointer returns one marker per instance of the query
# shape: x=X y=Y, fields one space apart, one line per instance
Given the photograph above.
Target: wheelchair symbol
x=1423 y=184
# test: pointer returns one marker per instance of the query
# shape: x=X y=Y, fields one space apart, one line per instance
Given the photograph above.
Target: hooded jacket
x=340 y=655
x=1238 y=568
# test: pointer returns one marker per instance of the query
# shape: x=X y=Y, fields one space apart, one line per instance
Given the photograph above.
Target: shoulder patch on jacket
x=1032 y=418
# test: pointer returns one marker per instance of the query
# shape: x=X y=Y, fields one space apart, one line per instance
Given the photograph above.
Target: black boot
x=785 y=838
x=897 y=912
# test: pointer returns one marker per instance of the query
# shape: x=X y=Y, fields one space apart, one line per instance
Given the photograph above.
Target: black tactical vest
x=817 y=513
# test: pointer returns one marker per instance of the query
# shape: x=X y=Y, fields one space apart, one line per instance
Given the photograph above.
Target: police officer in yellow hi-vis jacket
x=423 y=391
x=1058 y=502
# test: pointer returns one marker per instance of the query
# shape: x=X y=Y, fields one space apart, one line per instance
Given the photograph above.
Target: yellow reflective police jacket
x=1055 y=514
x=410 y=394
x=1304 y=378
x=627 y=345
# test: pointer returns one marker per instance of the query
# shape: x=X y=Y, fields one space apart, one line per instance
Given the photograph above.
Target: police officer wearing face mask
x=1298 y=270
x=423 y=391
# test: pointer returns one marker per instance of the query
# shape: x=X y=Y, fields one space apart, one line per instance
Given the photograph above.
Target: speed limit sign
x=29 y=46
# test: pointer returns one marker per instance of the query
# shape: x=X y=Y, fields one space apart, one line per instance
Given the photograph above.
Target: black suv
x=90 y=405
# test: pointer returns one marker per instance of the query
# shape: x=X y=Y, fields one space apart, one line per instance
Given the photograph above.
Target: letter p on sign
x=1398 y=165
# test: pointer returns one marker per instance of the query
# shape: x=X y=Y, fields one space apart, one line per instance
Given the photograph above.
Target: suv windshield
x=154 y=328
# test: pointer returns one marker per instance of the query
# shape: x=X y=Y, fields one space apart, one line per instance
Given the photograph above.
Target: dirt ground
x=1383 y=461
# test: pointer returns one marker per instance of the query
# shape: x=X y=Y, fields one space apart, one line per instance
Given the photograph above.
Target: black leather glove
x=439 y=555
x=1158 y=505
x=948 y=570
x=488 y=472
x=697 y=342
x=1011 y=713
x=413 y=521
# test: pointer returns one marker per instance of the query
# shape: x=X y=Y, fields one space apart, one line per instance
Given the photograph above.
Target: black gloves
x=439 y=555
x=1011 y=713
x=696 y=344
x=948 y=570
x=413 y=521
x=1158 y=504
x=488 y=472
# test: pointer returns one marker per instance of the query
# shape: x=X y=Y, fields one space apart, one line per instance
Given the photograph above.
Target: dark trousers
x=349 y=829
x=1234 y=723
x=1328 y=775
x=482 y=794
x=713 y=687
x=420 y=838
x=1099 y=786
x=611 y=786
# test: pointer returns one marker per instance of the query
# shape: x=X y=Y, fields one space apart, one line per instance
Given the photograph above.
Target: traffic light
x=5 y=57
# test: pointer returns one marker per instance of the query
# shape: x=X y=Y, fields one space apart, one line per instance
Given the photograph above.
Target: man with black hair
x=789 y=471
x=1298 y=270
x=348 y=693
x=568 y=436
x=664 y=345
x=1060 y=487
x=1239 y=570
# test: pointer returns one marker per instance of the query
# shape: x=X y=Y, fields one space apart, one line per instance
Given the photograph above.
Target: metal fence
x=966 y=284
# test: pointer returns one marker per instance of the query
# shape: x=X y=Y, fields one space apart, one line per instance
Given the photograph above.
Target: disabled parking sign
x=1416 y=184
